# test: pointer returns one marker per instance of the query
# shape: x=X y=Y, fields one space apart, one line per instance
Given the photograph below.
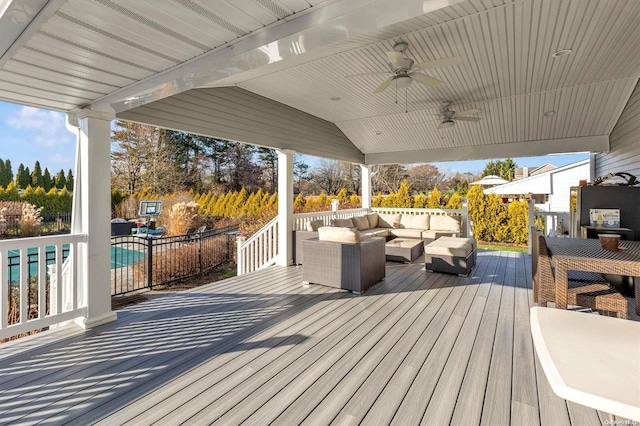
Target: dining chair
x=587 y=289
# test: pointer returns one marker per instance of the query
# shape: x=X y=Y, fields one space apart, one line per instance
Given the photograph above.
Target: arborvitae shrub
x=342 y=195
x=420 y=201
x=435 y=199
x=403 y=197
x=455 y=201
x=518 y=222
x=377 y=200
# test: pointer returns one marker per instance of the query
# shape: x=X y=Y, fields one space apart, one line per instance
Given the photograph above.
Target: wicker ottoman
x=403 y=249
x=451 y=255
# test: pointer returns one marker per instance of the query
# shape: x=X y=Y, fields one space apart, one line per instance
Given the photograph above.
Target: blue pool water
x=119 y=257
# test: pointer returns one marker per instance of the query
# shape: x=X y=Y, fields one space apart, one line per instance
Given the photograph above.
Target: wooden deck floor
x=420 y=348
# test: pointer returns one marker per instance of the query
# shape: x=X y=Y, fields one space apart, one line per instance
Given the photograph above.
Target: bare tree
x=141 y=158
x=352 y=177
x=328 y=176
x=425 y=177
x=388 y=177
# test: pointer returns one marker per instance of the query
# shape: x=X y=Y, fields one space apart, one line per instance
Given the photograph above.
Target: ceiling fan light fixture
x=447 y=123
x=401 y=46
x=549 y=113
x=561 y=53
x=403 y=81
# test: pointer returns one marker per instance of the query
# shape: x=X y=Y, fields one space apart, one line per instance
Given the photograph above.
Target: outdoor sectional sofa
x=339 y=258
x=421 y=226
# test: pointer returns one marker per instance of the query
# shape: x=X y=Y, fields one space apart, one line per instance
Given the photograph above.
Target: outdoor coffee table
x=403 y=249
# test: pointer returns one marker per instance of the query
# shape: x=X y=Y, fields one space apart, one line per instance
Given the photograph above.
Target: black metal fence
x=51 y=223
x=141 y=263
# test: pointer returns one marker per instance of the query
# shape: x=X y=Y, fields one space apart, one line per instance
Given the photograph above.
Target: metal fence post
x=149 y=262
x=199 y=252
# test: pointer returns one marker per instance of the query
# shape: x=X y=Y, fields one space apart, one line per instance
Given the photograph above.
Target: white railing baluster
x=4 y=283
x=42 y=281
x=58 y=279
x=24 y=285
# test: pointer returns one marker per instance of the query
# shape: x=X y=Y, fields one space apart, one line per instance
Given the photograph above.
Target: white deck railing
x=300 y=220
x=260 y=250
x=48 y=307
x=553 y=221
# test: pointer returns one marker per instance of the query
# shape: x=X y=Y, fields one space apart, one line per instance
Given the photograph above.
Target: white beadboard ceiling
x=122 y=53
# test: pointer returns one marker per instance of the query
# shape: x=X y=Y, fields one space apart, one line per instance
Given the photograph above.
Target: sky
x=29 y=134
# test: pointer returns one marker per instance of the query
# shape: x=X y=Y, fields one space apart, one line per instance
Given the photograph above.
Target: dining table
x=578 y=254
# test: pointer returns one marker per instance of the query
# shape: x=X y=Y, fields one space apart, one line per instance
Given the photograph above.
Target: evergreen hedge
x=51 y=202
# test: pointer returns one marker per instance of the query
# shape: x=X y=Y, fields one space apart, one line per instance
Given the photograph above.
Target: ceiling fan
x=404 y=70
x=449 y=117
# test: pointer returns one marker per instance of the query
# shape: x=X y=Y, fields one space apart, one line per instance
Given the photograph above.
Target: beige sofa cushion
x=338 y=235
x=432 y=235
x=361 y=222
x=414 y=221
x=406 y=233
x=373 y=220
x=343 y=223
x=313 y=225
x=375 y=232
x=388 y=220
x=444 y=223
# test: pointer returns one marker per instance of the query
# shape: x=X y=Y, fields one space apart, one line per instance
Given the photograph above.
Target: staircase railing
x=260 y=250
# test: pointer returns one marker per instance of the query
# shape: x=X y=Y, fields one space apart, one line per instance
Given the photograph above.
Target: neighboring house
x=550 y=189
x=524 y=172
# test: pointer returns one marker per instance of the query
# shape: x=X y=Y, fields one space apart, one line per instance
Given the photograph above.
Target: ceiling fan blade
x=366 y=74
x=425 y=79
x=384 y=85
x=396 y=59
x=468 y=112
x=476 y=119
x=438 y=63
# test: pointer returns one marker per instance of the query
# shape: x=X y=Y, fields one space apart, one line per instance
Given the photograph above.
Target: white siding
x=561 y=182
x=236 y=114
x=624 y=154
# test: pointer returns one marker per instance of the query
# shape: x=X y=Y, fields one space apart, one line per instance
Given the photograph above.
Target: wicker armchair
x=586 y=289
x=350 y=266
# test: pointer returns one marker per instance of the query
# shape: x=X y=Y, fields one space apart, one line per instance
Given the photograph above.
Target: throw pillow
x=444 y=223
x=338 y=235
x=342 y=223
x=388 y=220
x=373 y=220
x=360 y=222
x=313 y=225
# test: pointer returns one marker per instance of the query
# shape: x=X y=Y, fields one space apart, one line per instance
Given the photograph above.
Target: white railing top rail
x=419 y=211
x=329 y=213
x=51 y=240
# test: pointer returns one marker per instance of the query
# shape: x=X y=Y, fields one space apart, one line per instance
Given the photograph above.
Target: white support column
x=366 y=186
x=531 y=223
x=285 y=208
x=93 y=189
